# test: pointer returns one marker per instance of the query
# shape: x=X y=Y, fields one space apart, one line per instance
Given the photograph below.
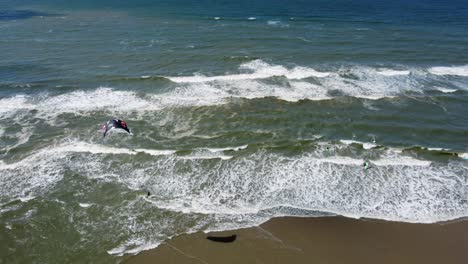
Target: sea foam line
x=446 y=90
x=226 y=148
x=453 y=70
x=365 y=145
x=370 y=83
x=195 y=157
x=395 y=188
x=258 y=70
x=248 y=189
x=99 y=149
x=391 y=72
x=401 y=161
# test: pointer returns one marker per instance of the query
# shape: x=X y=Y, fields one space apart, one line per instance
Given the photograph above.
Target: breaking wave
x=259 y=80
x=256 y=69
x=249 y=187
x=454 y=70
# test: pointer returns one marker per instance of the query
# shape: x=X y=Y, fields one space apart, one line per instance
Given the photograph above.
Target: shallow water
x=240 y=112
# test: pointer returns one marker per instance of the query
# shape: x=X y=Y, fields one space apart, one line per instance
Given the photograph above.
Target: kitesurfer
x=366 y=165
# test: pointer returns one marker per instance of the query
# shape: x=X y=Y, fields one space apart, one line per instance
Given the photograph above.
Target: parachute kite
x=115 y=124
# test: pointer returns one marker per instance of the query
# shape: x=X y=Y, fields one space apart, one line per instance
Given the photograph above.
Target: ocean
x=241 y=111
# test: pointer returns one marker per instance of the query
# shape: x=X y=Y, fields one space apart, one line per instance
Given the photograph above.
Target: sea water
x=241 y=111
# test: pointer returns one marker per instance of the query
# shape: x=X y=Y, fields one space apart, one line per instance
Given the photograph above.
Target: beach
x=320 y=240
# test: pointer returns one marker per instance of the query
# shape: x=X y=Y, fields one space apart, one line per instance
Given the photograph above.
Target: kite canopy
x=115 y=124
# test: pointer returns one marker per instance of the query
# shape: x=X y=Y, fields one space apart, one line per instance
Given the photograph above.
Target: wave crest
x=454 y=70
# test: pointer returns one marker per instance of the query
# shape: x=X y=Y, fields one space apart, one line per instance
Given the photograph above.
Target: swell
x=200 y=189
x=251 y=171
x=256 y=79
x=103 y=98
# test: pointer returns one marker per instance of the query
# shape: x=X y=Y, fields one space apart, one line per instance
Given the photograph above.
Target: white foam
x=34 y=175
x=132 y=246
x=101 y=149
x=341 y=160
x=396 y=150
x=401 y=161
x=365 y=145
x=205 y=136
x=129 y=248
x=79 y=102
x=246 y=190
x=155 y=152
x=395 y=188
x=217 y=18
x=200 y=90
x=221 y=93
x=213 y=94
x=391 y=72
x=453 y=70
x=10 y=104
x=26 y=199
x=201 y=157
x=463 y=155
x=374 y=97
x=227 y=148
x=119 y=251
x=101 y=98
x=369 y=83
x=436 y=149
x=85 y=205
x=303 y=72
x=446 y=90
x=252 y=18
x=259 y=70
x=110 y=100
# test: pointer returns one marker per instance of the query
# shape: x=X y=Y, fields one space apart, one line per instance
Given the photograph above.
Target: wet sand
x=320 y=240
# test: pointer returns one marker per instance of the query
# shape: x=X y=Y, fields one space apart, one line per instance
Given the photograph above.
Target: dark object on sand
x=225 y=239
x=113 y=124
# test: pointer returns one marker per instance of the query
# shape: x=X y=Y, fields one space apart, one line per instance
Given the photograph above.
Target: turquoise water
x=240 y=111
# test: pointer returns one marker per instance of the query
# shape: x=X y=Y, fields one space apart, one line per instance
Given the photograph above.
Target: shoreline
x=333 y=239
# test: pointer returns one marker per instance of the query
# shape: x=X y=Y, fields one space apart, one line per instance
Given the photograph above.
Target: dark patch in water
x=19 y=14
x=335 y=93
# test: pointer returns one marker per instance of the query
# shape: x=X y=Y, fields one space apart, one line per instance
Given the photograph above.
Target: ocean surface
x=240 y=110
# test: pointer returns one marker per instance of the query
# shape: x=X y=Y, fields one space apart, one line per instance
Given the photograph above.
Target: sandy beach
x=320 y=240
